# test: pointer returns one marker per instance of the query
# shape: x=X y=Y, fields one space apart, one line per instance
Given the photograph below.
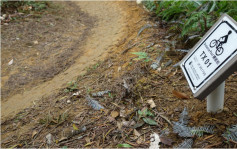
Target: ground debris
x=49 y=139
x=154 y=142
x=231 y=133
x=187 y=143
x=93 y=103
x=100 y=94
x=155 y=65
x=183 y=130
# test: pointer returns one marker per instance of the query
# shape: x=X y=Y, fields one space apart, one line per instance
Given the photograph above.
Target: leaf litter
x=130 y=120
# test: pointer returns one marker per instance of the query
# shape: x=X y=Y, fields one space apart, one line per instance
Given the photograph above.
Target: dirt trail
x=109 y=28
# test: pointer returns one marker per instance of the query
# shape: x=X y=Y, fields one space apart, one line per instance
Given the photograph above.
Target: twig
x=212 y=145
x=130 y=47
x=165 y=118
x=107 y=134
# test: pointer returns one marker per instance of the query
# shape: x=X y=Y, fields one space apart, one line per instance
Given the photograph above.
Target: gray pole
x=215 y=100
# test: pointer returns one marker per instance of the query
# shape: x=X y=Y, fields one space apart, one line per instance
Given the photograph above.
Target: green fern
x=191 y=17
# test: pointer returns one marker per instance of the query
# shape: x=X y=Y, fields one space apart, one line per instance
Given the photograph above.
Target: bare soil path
x=109 y=26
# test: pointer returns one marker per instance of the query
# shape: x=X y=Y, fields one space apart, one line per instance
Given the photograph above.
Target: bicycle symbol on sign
x=218 y=44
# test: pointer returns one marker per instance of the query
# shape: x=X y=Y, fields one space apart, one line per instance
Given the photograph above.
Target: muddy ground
x=90 y=44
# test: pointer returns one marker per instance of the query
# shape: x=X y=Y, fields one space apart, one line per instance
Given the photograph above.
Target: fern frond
x=183 y=117
x=231 y=133
x=182 y=130
x=198 y=131
x=187 y=143
x=100 y=94
x=93 y=103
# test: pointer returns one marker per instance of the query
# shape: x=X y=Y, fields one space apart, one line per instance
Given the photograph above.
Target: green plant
x=141 y=56
x=191 y=18
x=22 y=6
x=145 y=114
x=71 y=86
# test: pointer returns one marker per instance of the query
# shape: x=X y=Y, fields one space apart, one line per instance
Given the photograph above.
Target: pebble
x=49 y=139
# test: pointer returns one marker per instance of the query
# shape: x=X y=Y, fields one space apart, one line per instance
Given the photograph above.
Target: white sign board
x=216 y=49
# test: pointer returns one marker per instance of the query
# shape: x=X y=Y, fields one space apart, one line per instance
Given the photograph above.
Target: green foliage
x=141 y=56
x=22 y=6
x=124 y=146
x=71 y=86
x=191 y=17
x=149 y=121
x=231 y=133
x=145 y=114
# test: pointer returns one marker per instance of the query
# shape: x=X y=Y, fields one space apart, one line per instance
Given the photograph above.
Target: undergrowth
x=191 y=19
x=22 y=6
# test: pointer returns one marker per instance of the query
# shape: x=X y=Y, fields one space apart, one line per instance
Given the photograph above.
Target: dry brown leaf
x=180 y=95
x=122 y=113
x=34 y=133
x=136 y=133
x=166 y=140
x=139 y=140
x=111 y=119
x=114 y=114
x=119 y=125
x=88 y=140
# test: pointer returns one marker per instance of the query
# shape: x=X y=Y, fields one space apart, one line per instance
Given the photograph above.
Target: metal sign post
x=215 y=100
x=211 y=61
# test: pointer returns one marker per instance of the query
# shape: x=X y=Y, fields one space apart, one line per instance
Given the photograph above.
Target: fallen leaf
x=180 y=95
x=119 y=125
x=122 y=113
x=166 y=140
x=62 y=139
x=114 y=114
x=126 y=123
x=136 y=133
x=88 y=140
x=111 y=119
x=149 y=121
x=34 y=133
x=74 y=127
x=151 y=103
x=140 y=140
x=124 y=145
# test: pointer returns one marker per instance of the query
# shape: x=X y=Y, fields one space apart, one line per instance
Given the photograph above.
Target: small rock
x=119 y=69
x=17 y=38
x=226 y=109
x=11 y=62
x=151 y=103
x=5 y=24
x=36 y=42
x=68 y=101
x=76 y=94
x=49 y=139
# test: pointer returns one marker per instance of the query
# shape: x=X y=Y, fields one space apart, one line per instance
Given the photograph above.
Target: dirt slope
x=109 y=26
